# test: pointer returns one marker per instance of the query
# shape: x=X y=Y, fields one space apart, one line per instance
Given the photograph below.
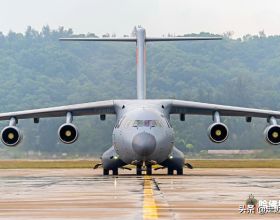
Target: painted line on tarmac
x=150 y=209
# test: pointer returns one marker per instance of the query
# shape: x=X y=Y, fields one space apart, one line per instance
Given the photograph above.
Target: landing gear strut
x=144 y=167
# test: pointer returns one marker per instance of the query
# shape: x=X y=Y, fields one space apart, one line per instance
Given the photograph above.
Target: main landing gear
x=115 y=171
x=170 y=171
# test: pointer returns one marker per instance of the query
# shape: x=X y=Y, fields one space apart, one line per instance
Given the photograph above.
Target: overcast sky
x=157 y=16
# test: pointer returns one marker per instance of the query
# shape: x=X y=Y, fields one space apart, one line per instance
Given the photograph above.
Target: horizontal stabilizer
x=147 y=39
x=181 y=38
x=123 y=39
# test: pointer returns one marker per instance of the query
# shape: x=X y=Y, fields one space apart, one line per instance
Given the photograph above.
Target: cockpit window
x=142 y=123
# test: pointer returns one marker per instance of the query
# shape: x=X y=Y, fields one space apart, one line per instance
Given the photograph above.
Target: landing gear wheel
x=105 y=172
x=139 y=170
x=180 y=171
x=149 y=170
x=115 y=171
x=170 y=171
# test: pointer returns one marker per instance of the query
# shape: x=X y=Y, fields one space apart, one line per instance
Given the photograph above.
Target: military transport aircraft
x=143 y=135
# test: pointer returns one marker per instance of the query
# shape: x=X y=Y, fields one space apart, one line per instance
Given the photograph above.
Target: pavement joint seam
x=164 y=199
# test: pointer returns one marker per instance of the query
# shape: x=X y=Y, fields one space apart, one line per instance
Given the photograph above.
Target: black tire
x=105 y=172
x=115 y=171
x=138 y=170
x=180 y=171
x=170 y=171
x=149 y=170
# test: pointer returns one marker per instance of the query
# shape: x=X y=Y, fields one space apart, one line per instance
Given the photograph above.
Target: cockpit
x=142 y=123
x=143 y=119
x=128 y=123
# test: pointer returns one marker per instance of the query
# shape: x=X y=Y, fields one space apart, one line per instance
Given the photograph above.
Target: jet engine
x=68 y=133
x=11 y=136
x=272 y=134
x=218 y=132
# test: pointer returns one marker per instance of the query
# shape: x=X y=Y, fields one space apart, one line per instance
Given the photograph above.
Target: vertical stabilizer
x=141 y=62
x=141 y=40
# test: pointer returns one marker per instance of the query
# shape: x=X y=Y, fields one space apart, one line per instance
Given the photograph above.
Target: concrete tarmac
x=87 y=194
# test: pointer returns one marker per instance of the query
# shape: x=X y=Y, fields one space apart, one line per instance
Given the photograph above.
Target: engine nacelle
x=272 y=134
x=68 y=133
x=11 y=136
x=218 y=132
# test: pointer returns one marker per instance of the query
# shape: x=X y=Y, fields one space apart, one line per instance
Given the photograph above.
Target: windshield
x=142 y=123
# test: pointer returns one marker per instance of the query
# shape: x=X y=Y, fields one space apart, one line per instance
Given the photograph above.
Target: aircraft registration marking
x=150 y=209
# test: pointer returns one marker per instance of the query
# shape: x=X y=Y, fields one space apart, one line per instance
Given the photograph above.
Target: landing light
x=170 y=157
x=116 y=157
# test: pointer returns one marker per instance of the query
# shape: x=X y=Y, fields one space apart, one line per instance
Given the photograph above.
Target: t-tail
x=141 y=39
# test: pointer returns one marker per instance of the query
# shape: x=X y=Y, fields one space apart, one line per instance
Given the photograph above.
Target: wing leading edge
x=199 y=108
x=108 y=107
x=91 y=108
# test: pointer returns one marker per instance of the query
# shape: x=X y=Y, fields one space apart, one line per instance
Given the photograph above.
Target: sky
x=159 y=17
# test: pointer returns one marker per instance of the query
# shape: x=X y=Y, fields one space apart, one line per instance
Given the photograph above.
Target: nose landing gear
x=144 y=167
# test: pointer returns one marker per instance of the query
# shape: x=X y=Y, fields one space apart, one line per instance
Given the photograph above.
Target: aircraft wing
x=198 y=108
x=91 y=108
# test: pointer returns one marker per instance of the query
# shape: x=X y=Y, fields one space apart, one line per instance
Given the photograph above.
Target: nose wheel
x=147 y=168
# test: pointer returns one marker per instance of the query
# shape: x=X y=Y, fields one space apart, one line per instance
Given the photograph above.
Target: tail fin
x=141 y=40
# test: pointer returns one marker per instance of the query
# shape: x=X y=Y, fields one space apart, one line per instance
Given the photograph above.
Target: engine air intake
x=272 y=134
x=218 y=132
x=11 y=136
x=68 y=133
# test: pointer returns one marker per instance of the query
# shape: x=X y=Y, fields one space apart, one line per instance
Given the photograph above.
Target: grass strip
x=201 y=163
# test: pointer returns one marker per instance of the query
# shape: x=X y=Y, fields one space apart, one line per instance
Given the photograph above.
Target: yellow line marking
x=150 y=209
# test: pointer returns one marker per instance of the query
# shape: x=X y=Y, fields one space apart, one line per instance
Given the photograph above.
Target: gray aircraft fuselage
x=142 y=132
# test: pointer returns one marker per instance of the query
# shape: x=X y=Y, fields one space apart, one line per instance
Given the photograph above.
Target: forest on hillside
x=37 y=70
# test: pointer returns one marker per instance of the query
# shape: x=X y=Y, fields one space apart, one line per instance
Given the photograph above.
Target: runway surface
x=86 y=194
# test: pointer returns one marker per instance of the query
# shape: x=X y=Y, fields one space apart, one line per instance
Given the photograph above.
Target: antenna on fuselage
x=141 y=39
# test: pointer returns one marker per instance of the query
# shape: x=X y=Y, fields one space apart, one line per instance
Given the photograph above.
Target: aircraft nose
x=144 y=144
